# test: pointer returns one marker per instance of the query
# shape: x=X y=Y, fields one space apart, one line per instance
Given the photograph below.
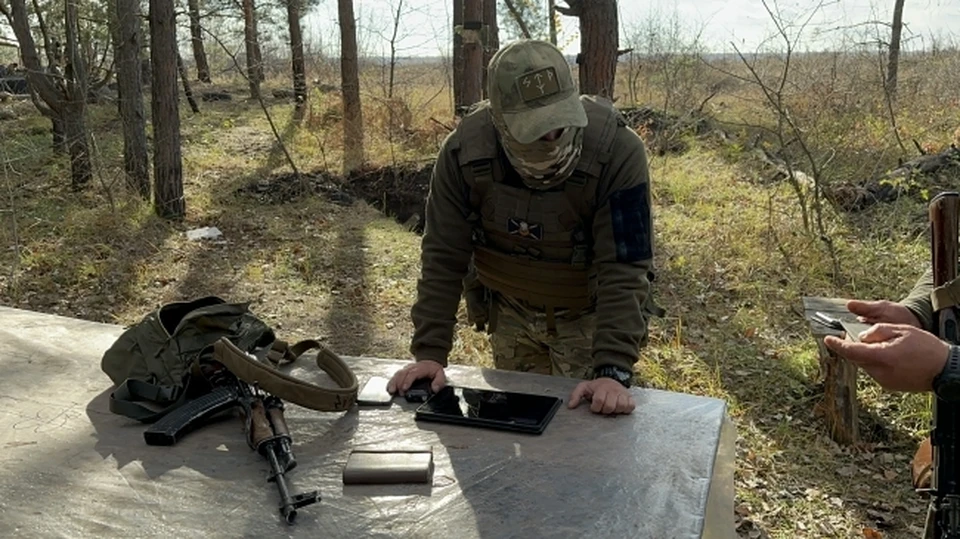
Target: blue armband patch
x=630 y=216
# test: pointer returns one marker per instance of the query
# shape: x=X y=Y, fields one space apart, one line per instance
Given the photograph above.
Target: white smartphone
x=374 y=392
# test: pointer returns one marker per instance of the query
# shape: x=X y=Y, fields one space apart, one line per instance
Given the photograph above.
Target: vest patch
x=519 y=227
x=630 y=216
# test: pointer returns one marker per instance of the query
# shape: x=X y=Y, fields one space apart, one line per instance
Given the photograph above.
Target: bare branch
x=516 y=16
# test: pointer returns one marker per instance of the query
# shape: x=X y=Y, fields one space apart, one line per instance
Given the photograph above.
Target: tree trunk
x=135 y=160
x=893 y=58
x=250 y=47
x=115 y=41
x=168 y=199
x=58 y=132
x=296 y=53
x=75 y=129
x=472 y=52
x=393 y=55
x=457 y=58
x=74 y=109
x=187 y=90
x=51 y=49
x=196 y=39
x=491 y=38
x=599 y=42
x=350 y=85
x=552 y=21
x=257 y=55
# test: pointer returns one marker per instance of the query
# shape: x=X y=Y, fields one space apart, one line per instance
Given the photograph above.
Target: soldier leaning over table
x=539 y=212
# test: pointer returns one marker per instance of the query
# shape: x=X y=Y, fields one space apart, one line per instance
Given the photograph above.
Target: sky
x=425 y=24
x=830 y=23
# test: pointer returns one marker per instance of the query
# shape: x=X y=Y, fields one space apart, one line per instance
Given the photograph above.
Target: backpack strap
x=131 y=399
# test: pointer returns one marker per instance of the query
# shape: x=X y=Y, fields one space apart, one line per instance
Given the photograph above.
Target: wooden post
x=457 y=58
x=472 y=52
x=839 y=376
x=491 y=38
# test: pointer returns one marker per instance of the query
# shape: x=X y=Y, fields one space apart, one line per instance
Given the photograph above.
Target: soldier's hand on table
x=405 y=377
x=899 y=357
x=882 y=311
x=606 y=396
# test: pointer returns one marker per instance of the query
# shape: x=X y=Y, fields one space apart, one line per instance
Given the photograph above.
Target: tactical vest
x=535 y=245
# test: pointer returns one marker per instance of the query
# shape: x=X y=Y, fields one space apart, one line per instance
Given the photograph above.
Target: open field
x=737 y=246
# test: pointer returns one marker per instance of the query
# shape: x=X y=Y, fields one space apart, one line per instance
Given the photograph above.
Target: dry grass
x=733 y=264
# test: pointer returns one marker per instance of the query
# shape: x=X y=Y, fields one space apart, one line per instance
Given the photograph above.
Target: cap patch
x=538 y=84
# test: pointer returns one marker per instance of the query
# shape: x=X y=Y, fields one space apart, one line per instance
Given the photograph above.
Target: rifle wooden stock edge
x=943 y=522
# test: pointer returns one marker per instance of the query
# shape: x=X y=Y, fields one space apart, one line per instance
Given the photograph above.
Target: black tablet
x=520 y=412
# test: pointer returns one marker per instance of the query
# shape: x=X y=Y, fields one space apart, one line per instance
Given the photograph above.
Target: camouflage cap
x=531 y=88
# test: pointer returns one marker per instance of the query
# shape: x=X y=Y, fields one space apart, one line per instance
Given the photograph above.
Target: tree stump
x=839 y=376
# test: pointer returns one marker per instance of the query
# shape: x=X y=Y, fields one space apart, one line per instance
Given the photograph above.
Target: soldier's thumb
x=881 y=332
x=439 y=381
x=578 y=394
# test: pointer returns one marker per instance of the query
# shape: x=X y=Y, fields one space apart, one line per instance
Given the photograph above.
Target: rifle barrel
x=288 y=504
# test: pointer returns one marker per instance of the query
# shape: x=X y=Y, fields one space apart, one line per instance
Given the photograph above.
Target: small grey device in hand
x=419 y=391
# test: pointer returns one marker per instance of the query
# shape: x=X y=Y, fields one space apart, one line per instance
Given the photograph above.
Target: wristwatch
x=946 y=385
x=623 y=376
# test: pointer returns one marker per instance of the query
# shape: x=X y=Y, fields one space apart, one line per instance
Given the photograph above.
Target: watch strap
x=950 y=372
x=619 y=374
x=952 y=366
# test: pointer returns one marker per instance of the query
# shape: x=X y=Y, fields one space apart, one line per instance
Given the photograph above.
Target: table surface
x=69 y=467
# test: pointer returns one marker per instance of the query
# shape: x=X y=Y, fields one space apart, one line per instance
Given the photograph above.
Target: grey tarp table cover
x=70 y=468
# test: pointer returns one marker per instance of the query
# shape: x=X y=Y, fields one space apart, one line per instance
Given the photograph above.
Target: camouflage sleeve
x=623 y=254
x=445 y=254
x=918 y=300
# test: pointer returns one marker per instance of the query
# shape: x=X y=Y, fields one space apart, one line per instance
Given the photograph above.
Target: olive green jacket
x=918 y=301
x=622 y=254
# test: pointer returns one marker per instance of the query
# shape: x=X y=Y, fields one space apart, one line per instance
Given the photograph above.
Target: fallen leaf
x=890 y=474
x=871 y=533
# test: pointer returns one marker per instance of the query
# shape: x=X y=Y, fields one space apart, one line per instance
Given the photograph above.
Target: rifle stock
x=945 y=488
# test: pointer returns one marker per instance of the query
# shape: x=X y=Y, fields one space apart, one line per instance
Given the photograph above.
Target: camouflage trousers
x=521 y=341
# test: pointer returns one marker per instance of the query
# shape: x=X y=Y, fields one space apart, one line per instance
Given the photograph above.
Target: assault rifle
x=264 y=426
x=943 y=522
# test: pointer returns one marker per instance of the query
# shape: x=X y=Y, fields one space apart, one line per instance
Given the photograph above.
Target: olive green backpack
x=154 y=363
